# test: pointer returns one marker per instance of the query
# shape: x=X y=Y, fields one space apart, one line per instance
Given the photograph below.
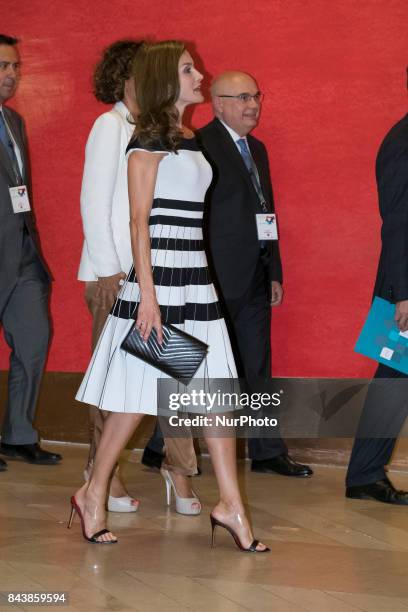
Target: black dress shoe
x=382 y=490
x=282 y=464
x=3 y=465
x=151 y=458
x=31 y=453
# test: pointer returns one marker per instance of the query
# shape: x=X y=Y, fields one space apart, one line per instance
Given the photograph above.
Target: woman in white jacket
x=106 y=254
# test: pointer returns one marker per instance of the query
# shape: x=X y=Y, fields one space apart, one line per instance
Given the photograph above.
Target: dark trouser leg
x=249 y=325
x=156 y=441
x=26 y=329
x=385 y=409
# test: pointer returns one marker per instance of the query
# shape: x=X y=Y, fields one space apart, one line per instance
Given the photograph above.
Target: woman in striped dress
x=168 y=179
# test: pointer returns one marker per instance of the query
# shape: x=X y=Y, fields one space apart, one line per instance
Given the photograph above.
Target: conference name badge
x=19 y=199
x=266 y=226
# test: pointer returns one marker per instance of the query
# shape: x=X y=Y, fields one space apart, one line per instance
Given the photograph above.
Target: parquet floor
x=328 y=553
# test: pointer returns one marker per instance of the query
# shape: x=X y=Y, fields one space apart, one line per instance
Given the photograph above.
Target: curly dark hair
x=113 y=70
x=157 y=84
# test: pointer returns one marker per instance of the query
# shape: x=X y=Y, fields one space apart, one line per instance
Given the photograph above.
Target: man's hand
x=276 y=293
x=109 y=286
x=401 y=315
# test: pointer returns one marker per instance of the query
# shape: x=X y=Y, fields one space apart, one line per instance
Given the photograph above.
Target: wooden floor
x=328 y=553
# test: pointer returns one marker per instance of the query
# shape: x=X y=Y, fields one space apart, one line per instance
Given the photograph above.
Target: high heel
x=117 y=504
x=184 y=505
x=122 y=504
x=252 y=548
x=94 y=538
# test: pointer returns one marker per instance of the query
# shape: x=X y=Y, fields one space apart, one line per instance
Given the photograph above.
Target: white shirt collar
x=122 y=109
x=235 y=137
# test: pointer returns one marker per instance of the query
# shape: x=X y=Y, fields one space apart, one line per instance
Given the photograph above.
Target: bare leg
x=99 y=306
x=97 y=418
x=182 y=484
x=118 y=489
x=230 y=509
x=91 y=496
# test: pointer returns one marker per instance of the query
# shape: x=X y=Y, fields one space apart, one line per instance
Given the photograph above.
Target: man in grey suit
x=24 y=277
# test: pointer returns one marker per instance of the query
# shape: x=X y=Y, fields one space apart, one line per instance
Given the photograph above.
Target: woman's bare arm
x=142 y=175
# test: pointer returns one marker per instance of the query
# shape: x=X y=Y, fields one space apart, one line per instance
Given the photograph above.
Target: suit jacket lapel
x=5 y=164
x=232 y=153
x=16 y=133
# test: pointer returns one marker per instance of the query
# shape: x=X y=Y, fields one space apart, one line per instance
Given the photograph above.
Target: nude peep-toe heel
x=184 y=505
x=118 y=504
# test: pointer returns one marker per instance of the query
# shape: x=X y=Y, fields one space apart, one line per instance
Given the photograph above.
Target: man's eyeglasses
x=245 y=97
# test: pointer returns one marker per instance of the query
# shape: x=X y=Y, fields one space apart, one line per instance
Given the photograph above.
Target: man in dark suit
x=386 y=403
x=247 y=269
x=24 y=277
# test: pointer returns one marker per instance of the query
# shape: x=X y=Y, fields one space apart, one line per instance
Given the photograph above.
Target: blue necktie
x=246 y=155
x=6 y=140
x=250 y=164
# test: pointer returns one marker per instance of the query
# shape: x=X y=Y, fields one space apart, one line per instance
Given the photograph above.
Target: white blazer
x=104 y=197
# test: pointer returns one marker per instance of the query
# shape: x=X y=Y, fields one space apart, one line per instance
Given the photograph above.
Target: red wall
x=333 y=73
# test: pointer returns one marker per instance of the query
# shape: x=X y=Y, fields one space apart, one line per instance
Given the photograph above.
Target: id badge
x=19 y=199
x=266 y=226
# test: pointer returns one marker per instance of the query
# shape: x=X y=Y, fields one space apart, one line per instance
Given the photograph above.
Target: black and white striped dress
x=118 y=382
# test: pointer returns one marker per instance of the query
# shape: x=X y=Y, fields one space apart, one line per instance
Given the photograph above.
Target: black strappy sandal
x=252 y=548
x=93 y=539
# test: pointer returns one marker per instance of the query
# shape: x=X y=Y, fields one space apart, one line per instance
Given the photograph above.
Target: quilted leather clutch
x=179 y=356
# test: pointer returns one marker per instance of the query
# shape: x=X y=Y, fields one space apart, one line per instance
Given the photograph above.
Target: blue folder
x=380 y=338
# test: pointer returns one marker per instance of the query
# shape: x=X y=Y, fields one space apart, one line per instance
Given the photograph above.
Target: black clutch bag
x=179 y=356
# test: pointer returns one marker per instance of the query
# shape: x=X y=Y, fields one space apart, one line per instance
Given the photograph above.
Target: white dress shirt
x=235 y=137
x=104 y=197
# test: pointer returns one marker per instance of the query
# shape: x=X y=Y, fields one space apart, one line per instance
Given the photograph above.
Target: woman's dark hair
x=114 y=68
x=157 y=84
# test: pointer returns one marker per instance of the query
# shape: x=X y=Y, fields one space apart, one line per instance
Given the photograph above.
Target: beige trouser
x=99 y=309
x=180 y=453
